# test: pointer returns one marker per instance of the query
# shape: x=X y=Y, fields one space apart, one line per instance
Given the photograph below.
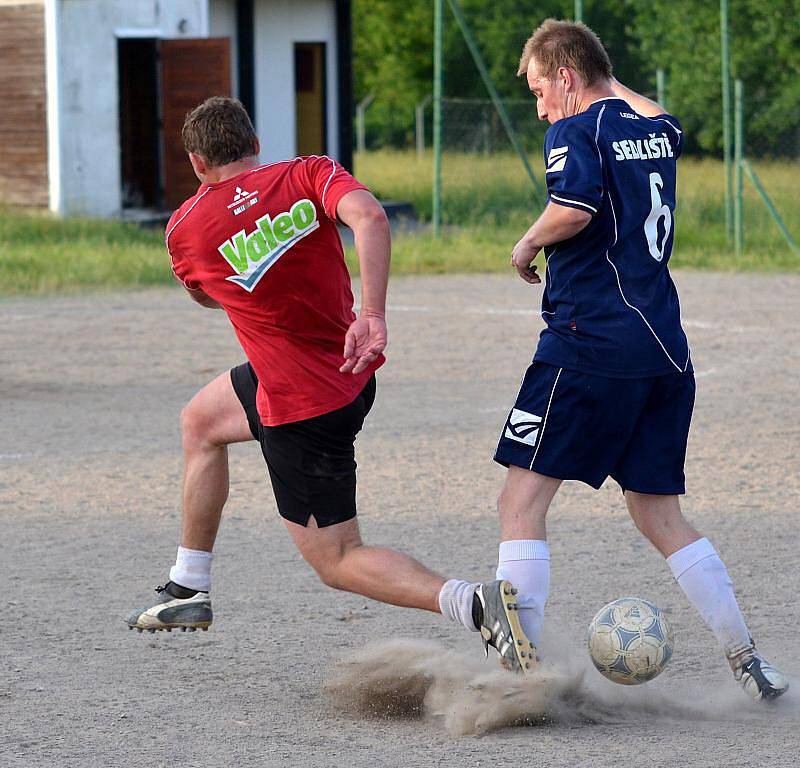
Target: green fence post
x=578 y=10
x=495 y=97
x=726 y=116
x=438 y=26
x=770 y=207
x=361 y=122
x=661 y=88
x=738 y=149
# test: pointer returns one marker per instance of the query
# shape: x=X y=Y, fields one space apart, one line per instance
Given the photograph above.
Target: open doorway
x=139 y=123
x=310 y=98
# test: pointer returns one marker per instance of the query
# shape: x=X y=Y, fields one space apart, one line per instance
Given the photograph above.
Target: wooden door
x=191 y=71
x=309 y=87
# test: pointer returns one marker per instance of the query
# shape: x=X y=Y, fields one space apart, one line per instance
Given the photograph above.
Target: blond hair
x=570 y=44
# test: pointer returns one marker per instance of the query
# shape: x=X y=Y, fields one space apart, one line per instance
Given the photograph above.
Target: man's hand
x=365 y=340
x=556 y=224
x=522 y=259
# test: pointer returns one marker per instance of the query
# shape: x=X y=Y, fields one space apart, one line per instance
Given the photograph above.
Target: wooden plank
x=23 y=121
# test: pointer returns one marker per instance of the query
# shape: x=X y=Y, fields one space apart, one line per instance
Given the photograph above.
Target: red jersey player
x=261 y=243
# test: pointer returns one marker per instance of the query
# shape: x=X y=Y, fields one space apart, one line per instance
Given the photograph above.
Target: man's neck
x=588 y=96
x=225 y=172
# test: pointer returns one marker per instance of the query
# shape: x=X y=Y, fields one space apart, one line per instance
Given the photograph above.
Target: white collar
x=607 y=98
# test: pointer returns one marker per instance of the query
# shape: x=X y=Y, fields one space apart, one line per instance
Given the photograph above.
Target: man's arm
x=366 y=337
x=640 y=104
x=202 y=298
x=556 y=224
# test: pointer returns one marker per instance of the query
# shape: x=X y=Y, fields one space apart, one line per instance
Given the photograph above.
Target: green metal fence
x=484 y=156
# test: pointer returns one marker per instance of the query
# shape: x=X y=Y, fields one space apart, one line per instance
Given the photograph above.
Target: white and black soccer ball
x=630 y=641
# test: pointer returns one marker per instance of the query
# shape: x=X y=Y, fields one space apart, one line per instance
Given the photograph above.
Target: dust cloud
x=469 y=696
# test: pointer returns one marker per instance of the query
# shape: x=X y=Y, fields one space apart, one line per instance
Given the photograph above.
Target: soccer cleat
x=498 y=622
x=759 y=679
x=169 y=612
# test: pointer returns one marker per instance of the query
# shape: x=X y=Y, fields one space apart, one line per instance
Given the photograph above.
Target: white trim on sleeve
x=574 y=202
x=325 y=188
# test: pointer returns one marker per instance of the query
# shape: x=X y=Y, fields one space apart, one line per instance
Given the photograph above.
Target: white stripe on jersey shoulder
x=172 y=228
x=333 y=171
x=674 y=128
x=269 y=165
x=597 y=133
x=574 y=202
x=325 y=188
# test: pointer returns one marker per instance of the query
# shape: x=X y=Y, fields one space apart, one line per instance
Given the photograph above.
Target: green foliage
x=683 y=37
x=394 y=41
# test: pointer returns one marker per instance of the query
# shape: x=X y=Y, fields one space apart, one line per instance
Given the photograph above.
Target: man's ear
x=257 y=148
x=569 y=78
x=198 y=164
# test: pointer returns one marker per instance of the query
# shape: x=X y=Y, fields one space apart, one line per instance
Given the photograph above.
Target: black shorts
x=576 y=426
x=312 y=462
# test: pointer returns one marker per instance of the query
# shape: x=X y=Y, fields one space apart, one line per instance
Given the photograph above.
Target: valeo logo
x=252 y=255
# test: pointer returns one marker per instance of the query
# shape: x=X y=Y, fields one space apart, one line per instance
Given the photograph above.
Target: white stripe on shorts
x=544 y=423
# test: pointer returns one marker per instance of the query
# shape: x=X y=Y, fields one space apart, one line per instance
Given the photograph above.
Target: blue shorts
x=577 y=426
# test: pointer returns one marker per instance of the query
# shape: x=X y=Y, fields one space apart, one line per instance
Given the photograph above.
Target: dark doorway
x=310 y=98
x=139 y=123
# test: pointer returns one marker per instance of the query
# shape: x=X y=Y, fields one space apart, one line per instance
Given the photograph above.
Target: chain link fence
x=484 y=181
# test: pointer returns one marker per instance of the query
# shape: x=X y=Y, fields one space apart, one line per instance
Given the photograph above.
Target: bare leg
x=523 y=504
x=660 y=519
x=341 y=560
x=212 y=420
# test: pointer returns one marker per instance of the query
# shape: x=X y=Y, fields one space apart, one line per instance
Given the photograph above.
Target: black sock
x=182 y=593
x=477 y=611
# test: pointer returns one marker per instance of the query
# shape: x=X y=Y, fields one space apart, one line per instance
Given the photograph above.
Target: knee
x=196 y=427
x=333 y=572
x=330 y=574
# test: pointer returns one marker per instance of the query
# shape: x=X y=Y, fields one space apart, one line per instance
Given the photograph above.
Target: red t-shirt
x=264 y=245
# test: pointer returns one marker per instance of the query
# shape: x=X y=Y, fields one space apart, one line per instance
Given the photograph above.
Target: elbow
x=374 y=219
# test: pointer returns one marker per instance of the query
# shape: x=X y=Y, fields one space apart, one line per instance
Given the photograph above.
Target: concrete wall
x=87 y=129
x=222 y=23
x=279 y=24
x=83 y=123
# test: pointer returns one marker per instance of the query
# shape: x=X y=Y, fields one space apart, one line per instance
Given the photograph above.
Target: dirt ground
x=90 y=391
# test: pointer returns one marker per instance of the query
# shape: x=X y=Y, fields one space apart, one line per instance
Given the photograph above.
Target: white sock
x=704 y=579
x=455 y=602
x=526 y=564
x=192 y=569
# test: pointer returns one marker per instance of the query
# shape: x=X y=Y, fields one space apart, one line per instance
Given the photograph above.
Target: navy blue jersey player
x=610 y=390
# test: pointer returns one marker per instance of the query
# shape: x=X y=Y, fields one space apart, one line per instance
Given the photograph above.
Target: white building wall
x=222 y=23
x=279 y=24
x=88 y=125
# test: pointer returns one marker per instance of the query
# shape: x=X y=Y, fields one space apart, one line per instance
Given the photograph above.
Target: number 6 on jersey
x=657 y=210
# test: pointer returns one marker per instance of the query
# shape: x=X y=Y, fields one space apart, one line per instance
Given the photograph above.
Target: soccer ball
x=630 y=641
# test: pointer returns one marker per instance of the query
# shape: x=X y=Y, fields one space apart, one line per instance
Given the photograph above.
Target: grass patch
x=487 y=206
x=40 y=254
x=490 y=199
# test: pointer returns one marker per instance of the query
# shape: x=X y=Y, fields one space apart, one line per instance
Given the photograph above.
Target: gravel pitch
x=91 y=388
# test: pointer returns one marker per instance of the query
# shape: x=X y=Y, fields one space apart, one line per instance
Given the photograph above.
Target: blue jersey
x=610 y=305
